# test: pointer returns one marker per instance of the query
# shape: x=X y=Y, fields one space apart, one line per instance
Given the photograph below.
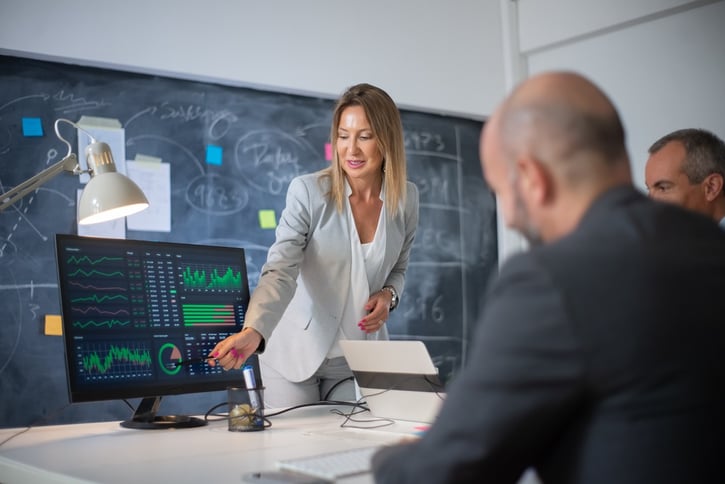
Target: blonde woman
x=337 y=266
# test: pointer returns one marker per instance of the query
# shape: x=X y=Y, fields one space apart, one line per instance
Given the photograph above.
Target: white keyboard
x=333 y=465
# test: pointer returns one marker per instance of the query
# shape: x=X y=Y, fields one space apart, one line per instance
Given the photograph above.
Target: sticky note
x=420 y=430
x=32 y=127
x=53 y=325
x=147 y=158
x=328 y=151
x=214 y=154
x=267 y=219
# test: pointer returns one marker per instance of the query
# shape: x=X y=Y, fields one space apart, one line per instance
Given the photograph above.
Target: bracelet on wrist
x=393 y=296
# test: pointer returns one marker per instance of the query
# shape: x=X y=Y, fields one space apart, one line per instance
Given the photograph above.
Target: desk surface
x=108 y=453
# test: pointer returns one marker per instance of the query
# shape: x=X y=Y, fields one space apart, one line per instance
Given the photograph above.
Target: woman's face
x=357 y=147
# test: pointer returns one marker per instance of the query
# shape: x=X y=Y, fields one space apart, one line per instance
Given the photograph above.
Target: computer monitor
x=140 y=316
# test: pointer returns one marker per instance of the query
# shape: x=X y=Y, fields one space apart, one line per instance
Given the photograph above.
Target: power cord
x=34 y=423
x=337 y=384
x=209 y=415
x=381 y=421
x=434 y=386
x=322 y=403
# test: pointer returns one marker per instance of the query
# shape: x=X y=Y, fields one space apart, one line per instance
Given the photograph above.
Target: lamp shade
x=108 y=196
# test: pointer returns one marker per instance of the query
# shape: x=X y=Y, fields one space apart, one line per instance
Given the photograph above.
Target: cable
x=348 y=417
x=221 y=416
x=434 y=386
x=224 y=416
x=332 y=388
x=129 y=404
x=320 y=403
x=34 y=423
x=15 y=435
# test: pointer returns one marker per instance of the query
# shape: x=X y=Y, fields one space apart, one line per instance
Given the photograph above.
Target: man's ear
x=713 y=185
x=535 y=179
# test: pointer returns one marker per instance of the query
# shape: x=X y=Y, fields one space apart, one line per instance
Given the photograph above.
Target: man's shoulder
x=625 y=213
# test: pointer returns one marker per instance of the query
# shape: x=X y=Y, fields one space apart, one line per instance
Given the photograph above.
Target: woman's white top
x=366 y=276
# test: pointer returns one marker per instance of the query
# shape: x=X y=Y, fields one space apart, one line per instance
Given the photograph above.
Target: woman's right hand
x=232 y=352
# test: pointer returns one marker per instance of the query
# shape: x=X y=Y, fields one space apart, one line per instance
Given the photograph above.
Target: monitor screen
x=139 y=318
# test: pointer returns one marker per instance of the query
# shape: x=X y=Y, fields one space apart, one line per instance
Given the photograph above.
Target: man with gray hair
x=687 y=168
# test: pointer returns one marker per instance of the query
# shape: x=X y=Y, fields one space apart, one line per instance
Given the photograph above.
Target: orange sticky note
x=53 y=325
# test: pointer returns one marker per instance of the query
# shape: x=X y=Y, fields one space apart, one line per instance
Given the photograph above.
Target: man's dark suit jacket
x=599 y=358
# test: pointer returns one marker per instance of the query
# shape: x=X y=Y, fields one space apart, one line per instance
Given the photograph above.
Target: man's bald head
x=563 y=120
x=553 y=146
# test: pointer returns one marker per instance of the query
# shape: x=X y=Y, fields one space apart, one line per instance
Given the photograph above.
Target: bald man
x=598 y=356
x=687 y=167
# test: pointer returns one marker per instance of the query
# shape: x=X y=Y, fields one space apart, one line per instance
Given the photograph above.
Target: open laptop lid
x=397 y=378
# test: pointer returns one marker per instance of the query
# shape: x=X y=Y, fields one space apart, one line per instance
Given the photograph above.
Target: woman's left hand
x=378 y=310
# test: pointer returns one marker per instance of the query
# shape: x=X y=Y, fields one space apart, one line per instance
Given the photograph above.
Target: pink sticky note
x=328 y=151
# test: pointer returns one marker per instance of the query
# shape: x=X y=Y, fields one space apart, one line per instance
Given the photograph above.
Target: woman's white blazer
x=298 y=303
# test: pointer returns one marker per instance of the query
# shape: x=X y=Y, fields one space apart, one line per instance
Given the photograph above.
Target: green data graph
x=93 y=298
x=96 y=361
x=110 y=323
x=88 y=260
x=95 y=273
x=212 y=278
x=208 y=314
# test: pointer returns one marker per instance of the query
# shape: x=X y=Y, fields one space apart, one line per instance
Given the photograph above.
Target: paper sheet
x=154 y=179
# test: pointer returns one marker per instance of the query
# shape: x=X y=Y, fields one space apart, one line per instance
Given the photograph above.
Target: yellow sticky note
x=53 y=325
x=267 y=219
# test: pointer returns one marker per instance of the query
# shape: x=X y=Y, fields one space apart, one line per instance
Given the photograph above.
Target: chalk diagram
x=270 y=159
x=19 y=217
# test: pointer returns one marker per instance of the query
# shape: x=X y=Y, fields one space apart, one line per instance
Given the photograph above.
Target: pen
x=249 y=381
x=191 y=361
x=251 y=384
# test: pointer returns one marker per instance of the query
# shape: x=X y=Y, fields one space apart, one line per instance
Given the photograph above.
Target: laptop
x=397 y=378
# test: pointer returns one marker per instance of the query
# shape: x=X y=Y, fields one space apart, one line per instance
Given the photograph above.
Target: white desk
x=108 y=453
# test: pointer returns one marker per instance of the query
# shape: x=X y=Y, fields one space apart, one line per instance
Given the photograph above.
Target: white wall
x=545 y=23
x=661 y=61
x=432 y=55
x=664 y=67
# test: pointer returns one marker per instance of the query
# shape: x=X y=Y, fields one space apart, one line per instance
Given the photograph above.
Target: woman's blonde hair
x=384 y=119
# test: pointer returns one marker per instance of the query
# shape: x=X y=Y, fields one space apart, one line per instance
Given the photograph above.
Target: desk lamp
x=108 y=194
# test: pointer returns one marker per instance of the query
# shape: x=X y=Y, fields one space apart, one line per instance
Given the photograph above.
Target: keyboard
x=332 y=465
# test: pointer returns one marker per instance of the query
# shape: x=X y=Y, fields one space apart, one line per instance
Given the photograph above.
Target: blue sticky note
x=214 y=154
x=32 y=127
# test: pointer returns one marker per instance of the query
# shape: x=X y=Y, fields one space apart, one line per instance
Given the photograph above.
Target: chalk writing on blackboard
x=217 y=195
x=270 y=159
x=266 y=139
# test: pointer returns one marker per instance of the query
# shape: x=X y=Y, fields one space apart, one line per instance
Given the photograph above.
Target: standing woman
x=337 y=266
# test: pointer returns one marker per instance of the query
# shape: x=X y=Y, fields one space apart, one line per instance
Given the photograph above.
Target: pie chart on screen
x=169 y=356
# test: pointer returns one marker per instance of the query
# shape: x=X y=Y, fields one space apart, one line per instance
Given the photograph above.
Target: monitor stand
x=145 y=417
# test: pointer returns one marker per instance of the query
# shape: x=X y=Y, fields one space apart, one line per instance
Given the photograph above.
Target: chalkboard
x=267 y=138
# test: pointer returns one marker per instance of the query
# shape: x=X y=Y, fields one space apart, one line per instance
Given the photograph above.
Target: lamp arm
x=69 y=163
